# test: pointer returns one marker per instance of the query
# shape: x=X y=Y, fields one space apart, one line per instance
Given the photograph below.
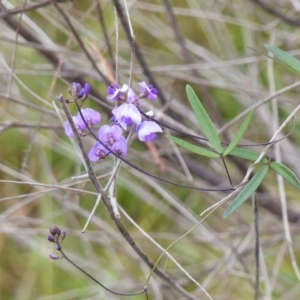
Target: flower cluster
x=110 y=137
x=56 y=236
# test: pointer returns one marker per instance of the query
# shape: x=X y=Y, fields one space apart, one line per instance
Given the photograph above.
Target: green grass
x=227 y=75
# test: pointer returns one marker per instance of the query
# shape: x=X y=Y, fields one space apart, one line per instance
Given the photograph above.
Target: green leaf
x=247 y=191
x=286 y=173
x=204 y=120
x=288 y=59
x=246 y=154
x=193 y=148
x=239 y=134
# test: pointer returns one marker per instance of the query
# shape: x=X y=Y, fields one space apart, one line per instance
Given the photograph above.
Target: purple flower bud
x=63 y=235
x=78 y=92
x=53 y=256
x=97 y=152
x=116 y=93
x=148 y=91
x=55 y=232
x=109 y=134
x=146 y=131
x=76 y=88
x=84 y=93
x=126 y=114
x=51 y=238
x=58 y=247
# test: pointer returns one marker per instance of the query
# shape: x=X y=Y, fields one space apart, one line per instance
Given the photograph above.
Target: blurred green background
x=217 y=48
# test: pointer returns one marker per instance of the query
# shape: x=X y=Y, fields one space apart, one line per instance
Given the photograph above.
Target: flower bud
x=53 y=256
x=63 y=235
x=51 y=238
x=55 y=232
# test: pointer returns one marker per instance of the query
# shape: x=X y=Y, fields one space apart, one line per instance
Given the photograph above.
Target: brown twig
x=80 y=42
x=26 y=8
x=139 y=55
x=49 y=54
x=270 y=9
x=9 y=124
x=28 y=104
x=106 y=37
x=257 y=246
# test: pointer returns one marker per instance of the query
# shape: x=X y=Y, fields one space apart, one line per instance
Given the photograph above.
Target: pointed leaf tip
x=247 y=191
x=204 y=120
x=285 y=57
x=286 y=173
x=240 y=133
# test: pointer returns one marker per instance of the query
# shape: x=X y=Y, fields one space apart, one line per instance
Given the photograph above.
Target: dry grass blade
x=45 y=46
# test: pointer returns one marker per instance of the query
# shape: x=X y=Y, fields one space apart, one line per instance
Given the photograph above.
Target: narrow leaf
x=193 y=148
x=246 y=154
x=204 y=120
x=247 y=191
x=239 y=134
x=288 y=59
x=286 y=173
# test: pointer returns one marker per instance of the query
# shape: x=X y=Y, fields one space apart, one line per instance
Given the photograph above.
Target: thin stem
x=132 y=42
x=257 y=247
x=104 y=29
x=226 y=169
x=94 y=279
x=117 y=46
x=48 y=52
x=139 y=55
x=258 y=104
x=80 y=42
x=270 y=9
x=25 y=8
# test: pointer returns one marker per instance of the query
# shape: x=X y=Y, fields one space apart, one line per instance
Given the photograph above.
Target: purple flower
x=80 y=126
x=146 y=131
x=120 y=147
x=97 y=152
x=79 y=92
x=91 y=117
x=147 y=91
x=109 y=134
x=131 y=96
x=126 y=114
x=116 y=93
